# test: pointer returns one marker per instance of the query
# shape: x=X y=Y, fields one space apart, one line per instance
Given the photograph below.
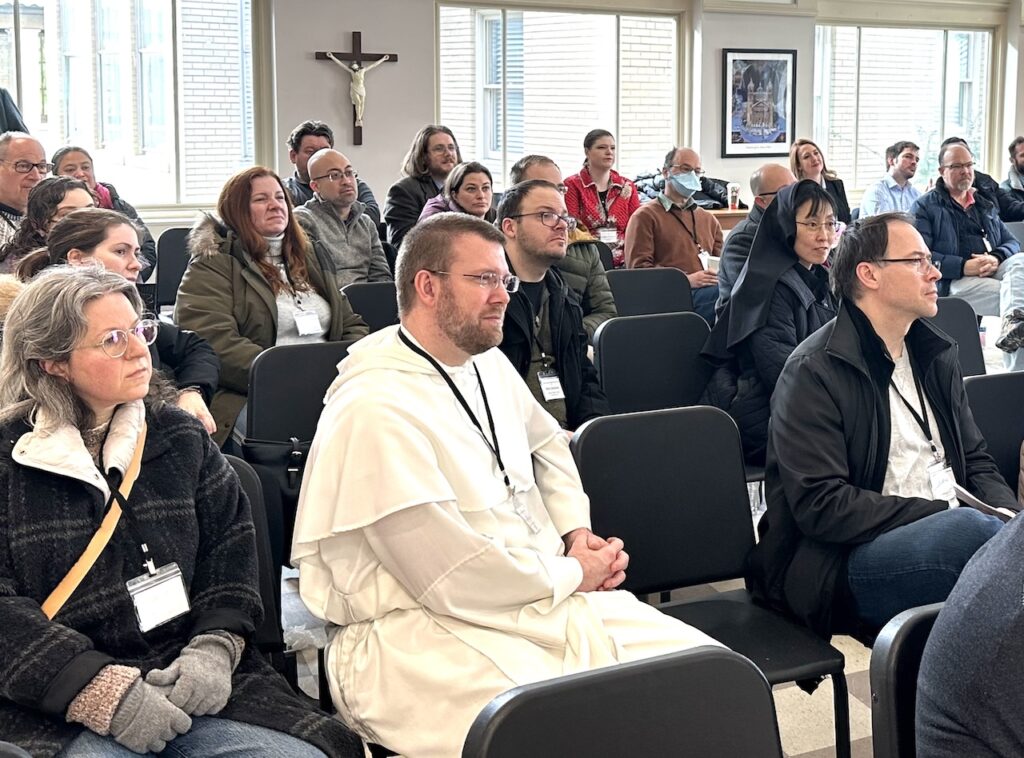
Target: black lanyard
x=921 y=422
x=692 y=232
x=494 y=448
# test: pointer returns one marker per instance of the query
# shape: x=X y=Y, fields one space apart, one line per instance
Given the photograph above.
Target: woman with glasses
x=433 y=154
x=95 y=236
x=104 y=666
x=76 y=162
x=48 y=202
x=467 y=189
x=253 y=282
x=780 y=298
x=599 y=197
x=807 y=162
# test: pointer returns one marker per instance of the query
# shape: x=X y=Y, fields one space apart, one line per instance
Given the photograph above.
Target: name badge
x=609 y=235
x=550 y=385
x=159 y=596
x=307 y=323
x=943 y=483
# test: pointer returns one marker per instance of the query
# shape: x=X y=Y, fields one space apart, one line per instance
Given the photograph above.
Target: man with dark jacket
x=870 y=435
x=1010 y=205
x=543 y=331
x=764 y=183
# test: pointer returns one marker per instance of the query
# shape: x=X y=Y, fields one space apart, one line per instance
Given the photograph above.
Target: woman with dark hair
x=150 y=641
x=76 y=162
x=110 y=239
x=253 y=282
x=466 y=190
x=807 y=162
x=48 y=202
x=434 y=152
x=779 y=299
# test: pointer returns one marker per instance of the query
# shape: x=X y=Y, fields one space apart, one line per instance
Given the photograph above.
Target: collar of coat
x=57 y=447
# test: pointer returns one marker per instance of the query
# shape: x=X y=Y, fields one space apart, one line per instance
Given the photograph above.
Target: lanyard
x=921 y=422
x=692 y=232
x=494 y=448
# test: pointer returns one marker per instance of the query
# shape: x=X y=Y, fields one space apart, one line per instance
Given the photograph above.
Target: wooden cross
x=357 y=56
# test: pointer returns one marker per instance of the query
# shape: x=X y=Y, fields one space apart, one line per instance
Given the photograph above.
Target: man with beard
x=894 y=192
x=1014 y=183
x=544 y=334
x=442 y=522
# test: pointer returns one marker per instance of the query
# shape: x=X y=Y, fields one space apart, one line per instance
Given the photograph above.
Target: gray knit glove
x=201 y=674
x=146 y=720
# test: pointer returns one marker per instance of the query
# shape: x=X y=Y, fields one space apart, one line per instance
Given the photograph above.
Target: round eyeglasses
x=115 y=342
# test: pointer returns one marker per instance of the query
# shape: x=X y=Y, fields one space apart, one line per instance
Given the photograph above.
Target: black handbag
x=286 y=460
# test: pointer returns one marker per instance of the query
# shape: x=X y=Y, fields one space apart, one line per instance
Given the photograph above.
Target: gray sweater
x=351 y=247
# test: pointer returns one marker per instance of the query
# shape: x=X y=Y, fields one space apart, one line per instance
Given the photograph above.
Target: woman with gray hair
x=128 y=582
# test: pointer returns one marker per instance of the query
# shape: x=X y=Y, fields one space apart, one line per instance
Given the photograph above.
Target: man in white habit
x=442 y=521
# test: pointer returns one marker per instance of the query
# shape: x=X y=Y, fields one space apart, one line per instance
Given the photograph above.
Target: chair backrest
x=376 y=302
x=269 y=636
x=997 y=404
x=651 y=362
x=639 y=291
x=685 y=703
x=957 y=318
x=605 y=253
x=895 y=661
x=1016 y=228
x=671 y=484
x=286 y=389
x=172 y=260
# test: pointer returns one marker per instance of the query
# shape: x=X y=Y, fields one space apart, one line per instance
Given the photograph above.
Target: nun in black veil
x=780 y=297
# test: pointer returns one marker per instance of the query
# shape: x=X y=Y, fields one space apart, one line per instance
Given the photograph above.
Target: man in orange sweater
x=672 y=230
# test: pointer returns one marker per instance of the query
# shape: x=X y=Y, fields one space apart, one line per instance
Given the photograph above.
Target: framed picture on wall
x=758 y=102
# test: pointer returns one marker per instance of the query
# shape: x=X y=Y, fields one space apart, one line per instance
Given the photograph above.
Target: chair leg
x=326 y=704
x=841 y=704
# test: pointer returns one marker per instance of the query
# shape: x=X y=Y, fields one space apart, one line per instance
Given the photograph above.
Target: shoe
x=1011 y=335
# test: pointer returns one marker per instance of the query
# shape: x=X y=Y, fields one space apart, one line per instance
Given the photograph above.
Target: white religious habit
x=451 y=587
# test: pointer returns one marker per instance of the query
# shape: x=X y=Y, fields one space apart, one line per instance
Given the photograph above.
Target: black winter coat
x=835 y=188
x=584 y=398
x=187 y=358
x=734 y=254
x=828 y=451
x=404 y=203
x=1009 y=203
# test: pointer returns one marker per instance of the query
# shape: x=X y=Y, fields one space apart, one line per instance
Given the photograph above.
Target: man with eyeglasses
x=544 y=335
x=22 y=166
x=894 y=192
x=870 y=437
x=976 y=253
x=673 y=231
x=764 y=184
x=1011 y=207
x=442 y=523
x=581 y=267
x=344 y=237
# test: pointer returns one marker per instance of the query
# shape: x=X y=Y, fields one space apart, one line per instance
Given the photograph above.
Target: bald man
x=764 y=183
x=344 y=236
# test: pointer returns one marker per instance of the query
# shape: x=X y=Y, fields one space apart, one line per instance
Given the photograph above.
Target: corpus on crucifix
x=356 y=64
x=357 y=89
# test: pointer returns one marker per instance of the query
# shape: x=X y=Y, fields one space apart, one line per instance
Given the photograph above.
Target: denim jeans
x=209 y=737
x=704 y=299
x=915 y=564
x=996 y=295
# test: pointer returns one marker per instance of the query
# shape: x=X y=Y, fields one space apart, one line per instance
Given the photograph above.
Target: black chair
x=641 y=291
x=895 y=661
x=687 y=703
x=957 y=318
x=605 y=254
x=391 y=254
x=997 y=404
x=651 y=362
x=671 y=484
x=172 y=260
x=376 y=302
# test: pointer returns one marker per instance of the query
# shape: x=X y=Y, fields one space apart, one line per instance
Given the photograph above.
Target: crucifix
x=360 y=63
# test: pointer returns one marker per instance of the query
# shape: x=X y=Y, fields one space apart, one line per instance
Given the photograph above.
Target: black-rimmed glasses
x=23 y=167
x=550 y=219
x=337 y=176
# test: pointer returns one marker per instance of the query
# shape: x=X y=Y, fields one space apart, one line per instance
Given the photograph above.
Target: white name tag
x=307 y=323
x=609 y=235
x=943 y=483
x=550 y=385
x=159 y=597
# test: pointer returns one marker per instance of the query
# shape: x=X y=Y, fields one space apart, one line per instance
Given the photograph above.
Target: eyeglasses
x=921 y=264
x=23 y=167
x=959 y=166
x=829 y=226
x=336 y=176
x=440 y=149
x=550 y=219
x=488 y=279
x=767 y=194
x=697 y=171
x=115 y=342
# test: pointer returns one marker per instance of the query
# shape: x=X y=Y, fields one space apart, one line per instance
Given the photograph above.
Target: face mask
x=685 y=184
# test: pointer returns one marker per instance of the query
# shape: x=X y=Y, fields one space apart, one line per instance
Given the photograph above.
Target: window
x=101 y=74
x=876 y=86
x=517 y=82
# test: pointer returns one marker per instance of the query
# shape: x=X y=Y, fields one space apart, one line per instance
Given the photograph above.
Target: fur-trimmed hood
x=208 y=236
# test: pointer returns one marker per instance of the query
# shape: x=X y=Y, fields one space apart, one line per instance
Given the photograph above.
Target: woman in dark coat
x=87 y=675
x=780 y=298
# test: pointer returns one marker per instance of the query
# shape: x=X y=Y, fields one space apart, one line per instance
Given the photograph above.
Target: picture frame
x=758 y=102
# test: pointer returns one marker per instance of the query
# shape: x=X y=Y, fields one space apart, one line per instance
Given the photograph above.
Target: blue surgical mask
x=685 y=183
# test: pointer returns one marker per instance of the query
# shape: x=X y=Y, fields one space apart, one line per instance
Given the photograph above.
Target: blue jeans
x=704 y=299
x=209 y=737
x=915 y=564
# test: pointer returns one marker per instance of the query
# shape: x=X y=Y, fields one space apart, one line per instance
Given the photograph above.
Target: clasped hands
x=981 y=264
x=604 y=561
